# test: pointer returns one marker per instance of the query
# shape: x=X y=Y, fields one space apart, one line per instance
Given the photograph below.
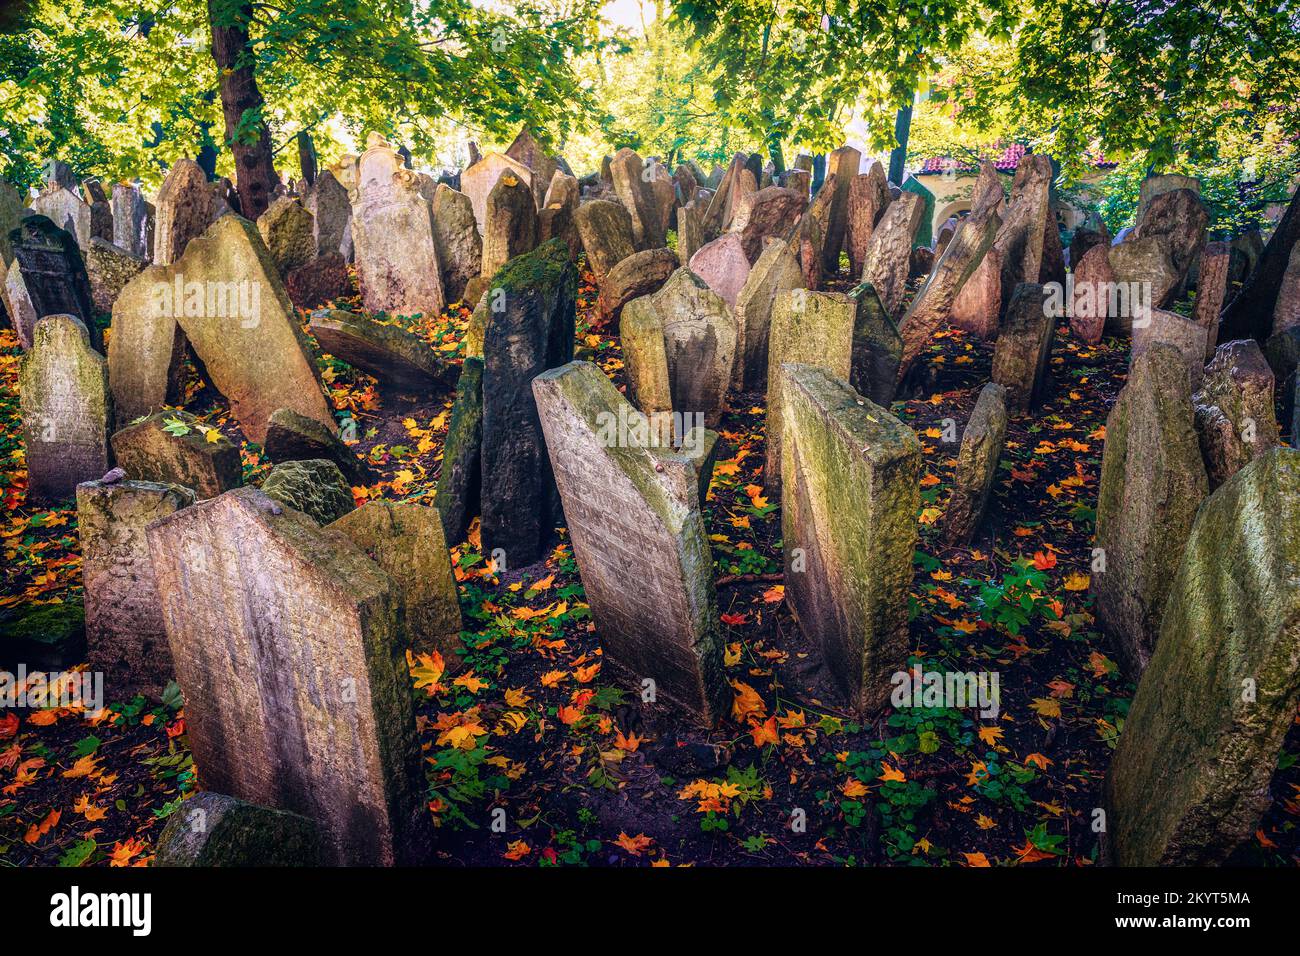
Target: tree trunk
x=241 y=104
x=898 y=155
x=1250 y=314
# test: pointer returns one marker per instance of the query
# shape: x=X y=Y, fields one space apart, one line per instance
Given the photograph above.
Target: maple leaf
x=735 y=620
x=1062 y=689
x=765 y=732
x=87 y=766
x=517 y=850
x=976 y=859
x=1030 y=853
x=1046 y=707
x=984 y=823
x=88 y=809
x=568 y=715
x=891 y=773
x=1074 y=581
x=584 y=675
x=629 y=743
x=748 y=703
x=1038 y=760
x=990 y=735
x=470 y=683
x=1044 y=560
x=516 y=698
x=774 y=594
x=854 y=788
x=38 y=830
x=553 y=678
x=635 y=845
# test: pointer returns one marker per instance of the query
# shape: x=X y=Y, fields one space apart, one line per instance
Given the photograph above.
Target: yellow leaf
x=1046 y=707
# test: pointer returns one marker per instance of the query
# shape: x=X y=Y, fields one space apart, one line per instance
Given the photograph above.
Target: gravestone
x=54 y=273
x=877 y=348
x=1212 y=291
x=101 y=210
x=294 y=437
x=18 y=305
x=982 y=442
x=1152 y=481
x=68 y=211
x=331 y=213
x=289 y=232
x=315 y=487
x=1094 y=290
x=868 y=196
x=108 y=269
x=606 y=232
x=65 y=405
x=12 y=212
x=1235 y=420
x=533 y=332
x=1144 y=267
x=1161 y=183
x=212 y=829
x=1024 y=347
x=1173 y=329
x=690 y=232
x=777 y=270
x=1190 y=779
x=286 y=643
x=843 y=164
x=699 y=338
x=849 y=497
x=1022 y=238
x=766 y=215
x=185 y=207
x=633 y=513
x=1181 y=219
x=510 y=228
x=639 y=274
x=320 y=281
x=456 y=238
x=978 y=305
x=395 y=357
x=542 y=166
x=125 y=637
x=174 y=447
x=633 y=190
x=914 y=186
x=723 y=265
x=133 y=220
x=808 y=328
x=478 y=181
x=889 y=253
x=460 y=480
x=1286 y=312
x=405 y=540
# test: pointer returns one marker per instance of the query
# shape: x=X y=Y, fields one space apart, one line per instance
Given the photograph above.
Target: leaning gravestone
x=212 y=829
x=1022 y=242
x=12 y=212
x=877 y=348
x=532 y=332
x=1181 y=219
x=1024 y=347
x=698 y=353
x=867 y=199
x=184 y=209
x=527 y=150
x=478 y=181
x=125 y=637
x=606 y=232
x=289 y=232
x=1212 y=288
x=65 y=404
x=294 y=437
x=394 y=356
x=133 y=220
x=1190 y=778
x=18 y=304
x=690 y=232
x=174 y=447
x=109 y=268
x=455 y=235
x=639 y=274
x=633 y=512
x=1234 y=410
x=405 y=540
x=101 y=210
x=315 y=486
x=776 y=271
x=287 y=645
x=331 y=213
x=392 y=236
x=810 y=328
x=54 y=273
x=1152 y=481
x=889 y=253
x=849 y=497
x=843 y=164
x=457 y=497
x=1144 y=268
x=982 y=442
x=765 y=215
x=66 y=210
x=1182 y=333
x=633 y=190
x=1094 y=289
x=510 y=223
x=723 y=265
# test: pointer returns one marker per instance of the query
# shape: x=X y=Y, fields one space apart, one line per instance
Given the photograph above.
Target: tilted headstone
x=510 y=223
x=1024 y=347
x=1181 y=218
x=294 y=437
x=65 y=405
x=1144 y=268
x=532 y=332
x=527 y=150
x=638 y=275
x=12 y=212
x=868 y=196
x=723 y=265
x=405 y=539
x=982 y=442
x=174 y=447
x=690 y=232
x=185 y=207
x=331 y=212
x=1157 y=185
x=458 y=490
x=395 y=357
x=213 y=829
x=316 y=487
x=1235 y=419
x=320 y=281
x=1212 y=291
x=133 y=220
x=765 y=215
x=101 y=209
x=1152 y=481
x=478 y=180
x=125 y=636
x=606 y=232
x=1094 y=290
x=844 y=163
x=68 y=211
x=849 y=497
x=56 y=174
x=1026 y=220
x=776 y=271
x=289 y=232
x=1173 y=329
x=109 y=268
x=633 y=513
x=889 y=253
x=18 y=305
x=455 y=235
x=1190 y=778
x=877 y=348
x=287 y=644
x=54 y=273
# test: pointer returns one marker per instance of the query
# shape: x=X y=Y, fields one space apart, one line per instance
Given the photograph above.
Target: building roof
x=1006 y=162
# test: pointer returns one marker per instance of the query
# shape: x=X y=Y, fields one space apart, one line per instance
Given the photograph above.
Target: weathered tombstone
x=132 y=220
x=1143 y=268
x=392 y=236
x=777 y=270
x=101 y=209
x=316 y=487
x=511 y=223
x=331 y=213
x=1212 y=290
x=289 y=232
x=877 y=348
x=456 y=238
x=717 y=215
x=65 y=404
x=868 y=197
x=1026 y=221
x=1094 y=289
x=1286 y=313
x=1173 y=329
x=639 y=274
x=1152 y=481
x=1159 y=184
x=849 y=498
x=533 y=331
x=125 y=637
x=889 y=253
x=527 y=150
x=663 y=199
x=319 y=281
x=56 y=174
x=287 y=646
x=1190 y=778
x=699 y=338
x=68 y=211
x=766 y=215
x=18 y=304
x=54 y=273
x=174 y=447
x=844 y=164
x=629 y=172
x=1180 y=217
x=478 y=181
x=606 y=232
x=978 y=306
x=395 y=357
x=225 y=295
x=690 y=232
x=185 y=207
x=982 y=442
x=212 y=829
x=109 y=268
x=294 y=437
x=723 y=265
x=1024 y=347
x=911 y=184
x=1235 y=420
x=808 y=328
x=459 y=482
x=633 y=513
x=12 y=212
x=405 y=539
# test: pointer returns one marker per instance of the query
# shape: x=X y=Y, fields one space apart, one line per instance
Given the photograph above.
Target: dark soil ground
x=585 y=773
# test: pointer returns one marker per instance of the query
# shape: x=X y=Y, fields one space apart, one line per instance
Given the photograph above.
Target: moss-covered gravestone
x=66 y=408
x=1152 y=482
x=633 y=513
x=531 y=332
x=1191 y=774
x=849 y=498
x=289 y=232
x=1235 y=419
x=174 y=447
x=212 y=829
x=877 y=348
x=315 y=487
x=982 y=442
x=460 y=480
x=294 y=437
x=288 y=647
x=125 y=636
x=394 y=356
